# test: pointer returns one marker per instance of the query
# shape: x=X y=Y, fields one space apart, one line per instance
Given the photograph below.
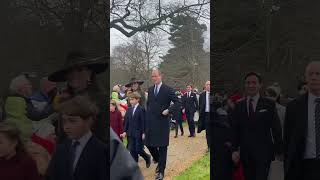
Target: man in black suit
x=158 y=122
x=302 y=131
x=204 y=112
x=257 y=131
x=190 y=105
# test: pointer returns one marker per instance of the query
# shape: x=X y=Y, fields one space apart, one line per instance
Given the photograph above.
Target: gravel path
x=182 y=152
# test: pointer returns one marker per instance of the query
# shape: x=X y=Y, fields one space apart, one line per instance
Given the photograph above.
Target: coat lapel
x=304 y=113
x=137 y=109
x=259 y=106
x=83 y=157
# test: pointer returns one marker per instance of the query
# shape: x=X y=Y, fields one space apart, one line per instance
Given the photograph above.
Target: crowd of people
x=63 y=134
x=57 y=134
x=259 y=135
x=143 y=118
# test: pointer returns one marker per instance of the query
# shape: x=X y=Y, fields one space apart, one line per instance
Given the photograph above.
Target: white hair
x=17 y=82
x=116 y=88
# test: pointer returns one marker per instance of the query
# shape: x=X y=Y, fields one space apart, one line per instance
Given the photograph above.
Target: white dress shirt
x=207 y=102
x=254 y=102
x=158 y=87
x=310 y=151
x=83 y=142
x=134 y=108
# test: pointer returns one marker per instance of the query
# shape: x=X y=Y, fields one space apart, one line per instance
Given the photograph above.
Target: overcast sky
x=117 y=38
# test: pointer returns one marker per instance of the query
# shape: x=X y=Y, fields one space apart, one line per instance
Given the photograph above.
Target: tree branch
x=149 y=25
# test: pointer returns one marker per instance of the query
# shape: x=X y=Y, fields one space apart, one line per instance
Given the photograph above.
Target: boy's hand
x=165 y=112
x=123 y=135
x=236 y=157
x=143 y=136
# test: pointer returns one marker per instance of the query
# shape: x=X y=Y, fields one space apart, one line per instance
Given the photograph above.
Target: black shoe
x=175 y=136
x=148 y=161
x=190 y=136
x=155 y=162
x=159 y=176
x=182 y=134
x=157 y=170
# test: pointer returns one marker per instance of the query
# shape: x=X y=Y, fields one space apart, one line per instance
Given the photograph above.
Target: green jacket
x=16 y=113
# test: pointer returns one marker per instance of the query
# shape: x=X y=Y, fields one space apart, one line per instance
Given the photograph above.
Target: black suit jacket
x=135 y=125
x=295 y=132
x=190 y=103
x=158 y=125
x=255 y=138
x=91 y=165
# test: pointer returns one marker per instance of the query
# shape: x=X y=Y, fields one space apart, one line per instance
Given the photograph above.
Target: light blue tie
x=156 y=90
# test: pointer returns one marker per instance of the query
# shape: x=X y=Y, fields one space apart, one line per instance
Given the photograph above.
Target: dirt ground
x=182 y=152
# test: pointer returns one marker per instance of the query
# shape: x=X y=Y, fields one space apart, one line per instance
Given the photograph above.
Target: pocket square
x=263 y=110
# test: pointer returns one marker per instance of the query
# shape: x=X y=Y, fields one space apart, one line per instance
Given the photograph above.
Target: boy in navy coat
x=83 y=156
x=135 y=129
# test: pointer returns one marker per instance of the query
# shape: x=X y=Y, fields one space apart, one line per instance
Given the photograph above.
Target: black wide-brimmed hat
x=134 y=80
x=79 y=59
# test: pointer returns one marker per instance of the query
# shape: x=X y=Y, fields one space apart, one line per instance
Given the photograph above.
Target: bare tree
x=132 y=16
x=151 y=46
x=76 y=19
x=130 y=57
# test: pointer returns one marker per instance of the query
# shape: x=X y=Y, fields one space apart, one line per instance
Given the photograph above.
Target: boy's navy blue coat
x=135 y=127
x=92 y=164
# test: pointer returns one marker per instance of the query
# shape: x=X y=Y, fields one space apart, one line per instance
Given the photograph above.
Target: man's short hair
x=78 y=106
x=253 y=74
x=135 y=95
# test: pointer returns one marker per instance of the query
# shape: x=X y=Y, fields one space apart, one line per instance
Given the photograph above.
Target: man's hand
x=123 y=135
x=143 y=136
x=236 y=157
x=165 y=112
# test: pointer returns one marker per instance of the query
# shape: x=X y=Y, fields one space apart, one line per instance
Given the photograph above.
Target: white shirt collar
x=312 y=98
x=84 y=139
x=255 y=98
x=135 y=107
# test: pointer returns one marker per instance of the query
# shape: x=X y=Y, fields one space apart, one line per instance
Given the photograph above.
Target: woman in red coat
x=15 y=163
x=116 y=122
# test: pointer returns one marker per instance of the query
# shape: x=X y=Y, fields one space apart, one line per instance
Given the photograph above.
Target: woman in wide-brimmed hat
x=135 y=86
x=79 y=73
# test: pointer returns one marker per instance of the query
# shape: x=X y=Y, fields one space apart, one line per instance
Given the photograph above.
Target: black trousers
x=255 y=168
x=208 y=129
x=178 y=124
x=190 y=116
x=159 y=154
x=135 y=155
x=311 y=169
x=222 y=164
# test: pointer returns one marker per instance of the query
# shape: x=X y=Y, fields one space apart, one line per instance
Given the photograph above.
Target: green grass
x=199 y=170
